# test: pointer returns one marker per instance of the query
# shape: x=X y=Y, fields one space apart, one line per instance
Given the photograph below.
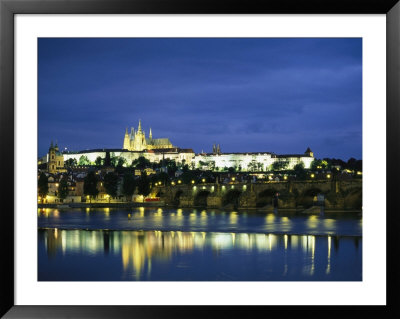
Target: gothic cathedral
x=137 y=141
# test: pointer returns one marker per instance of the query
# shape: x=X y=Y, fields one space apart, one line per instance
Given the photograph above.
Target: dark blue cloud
x=278 y=95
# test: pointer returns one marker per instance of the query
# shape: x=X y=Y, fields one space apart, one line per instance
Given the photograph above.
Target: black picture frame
x=8 y=8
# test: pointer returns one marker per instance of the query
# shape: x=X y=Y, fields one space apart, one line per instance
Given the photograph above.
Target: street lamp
x=203 y=180
x=192 y=182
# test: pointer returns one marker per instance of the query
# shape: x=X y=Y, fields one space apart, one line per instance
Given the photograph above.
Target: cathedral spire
x=140 y=125
x=150 y=134
x=126 y=140
x=132 y=132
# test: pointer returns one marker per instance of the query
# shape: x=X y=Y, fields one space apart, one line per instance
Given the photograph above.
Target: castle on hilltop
x=137 y=141
x=136 y=145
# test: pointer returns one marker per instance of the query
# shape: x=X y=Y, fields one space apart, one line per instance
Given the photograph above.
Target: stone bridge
x=292 y=194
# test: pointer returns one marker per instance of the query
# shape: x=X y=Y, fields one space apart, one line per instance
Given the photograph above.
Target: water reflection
x=138 y=252
x=199 y=220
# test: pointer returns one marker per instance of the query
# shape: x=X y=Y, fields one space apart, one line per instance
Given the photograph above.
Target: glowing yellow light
x=192 y=182
x=312 y=175
x=233 y=179
x=203 y=180
x=328 y=176
x=172 y=183
x=285 y=177
x=56 y=184
x=179 y=181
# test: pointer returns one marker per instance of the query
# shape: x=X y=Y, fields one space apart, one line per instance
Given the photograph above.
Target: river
x=158 y=244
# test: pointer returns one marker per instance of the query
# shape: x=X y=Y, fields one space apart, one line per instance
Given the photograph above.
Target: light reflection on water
x=159 y=255
x=190 y=244
x=200 y=220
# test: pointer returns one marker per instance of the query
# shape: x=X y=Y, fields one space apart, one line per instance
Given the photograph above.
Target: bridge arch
x=353 y=199
x=265 y=197
x=177 y=197
x=201 y=198
x=306 y=199
x=232 y=198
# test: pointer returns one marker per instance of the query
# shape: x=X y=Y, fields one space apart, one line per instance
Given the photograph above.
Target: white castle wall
x=131 y=156
x=245 y=161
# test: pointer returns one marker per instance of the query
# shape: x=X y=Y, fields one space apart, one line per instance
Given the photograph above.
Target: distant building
x=136 y=145
x=155 y=155
x=260 y=161
x=148 y=171
x=55 y=160
x=137 y=141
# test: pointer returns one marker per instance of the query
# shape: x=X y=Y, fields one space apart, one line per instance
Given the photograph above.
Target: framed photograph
x=164 y=154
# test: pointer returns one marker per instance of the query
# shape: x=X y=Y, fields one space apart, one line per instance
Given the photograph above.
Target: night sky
x=248 y=95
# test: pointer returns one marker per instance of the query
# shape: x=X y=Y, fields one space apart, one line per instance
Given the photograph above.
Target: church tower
x=150 y=134
x=55 y=160
x=309 y=152
x=52 y=162
x=139 y=142
x=126 y=140
x=131 y=138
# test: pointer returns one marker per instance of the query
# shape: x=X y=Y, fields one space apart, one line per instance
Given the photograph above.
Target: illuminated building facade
x=55 y=160
x=261 y=161
x=137 y=141
x=136 y=145
x=155 y=155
